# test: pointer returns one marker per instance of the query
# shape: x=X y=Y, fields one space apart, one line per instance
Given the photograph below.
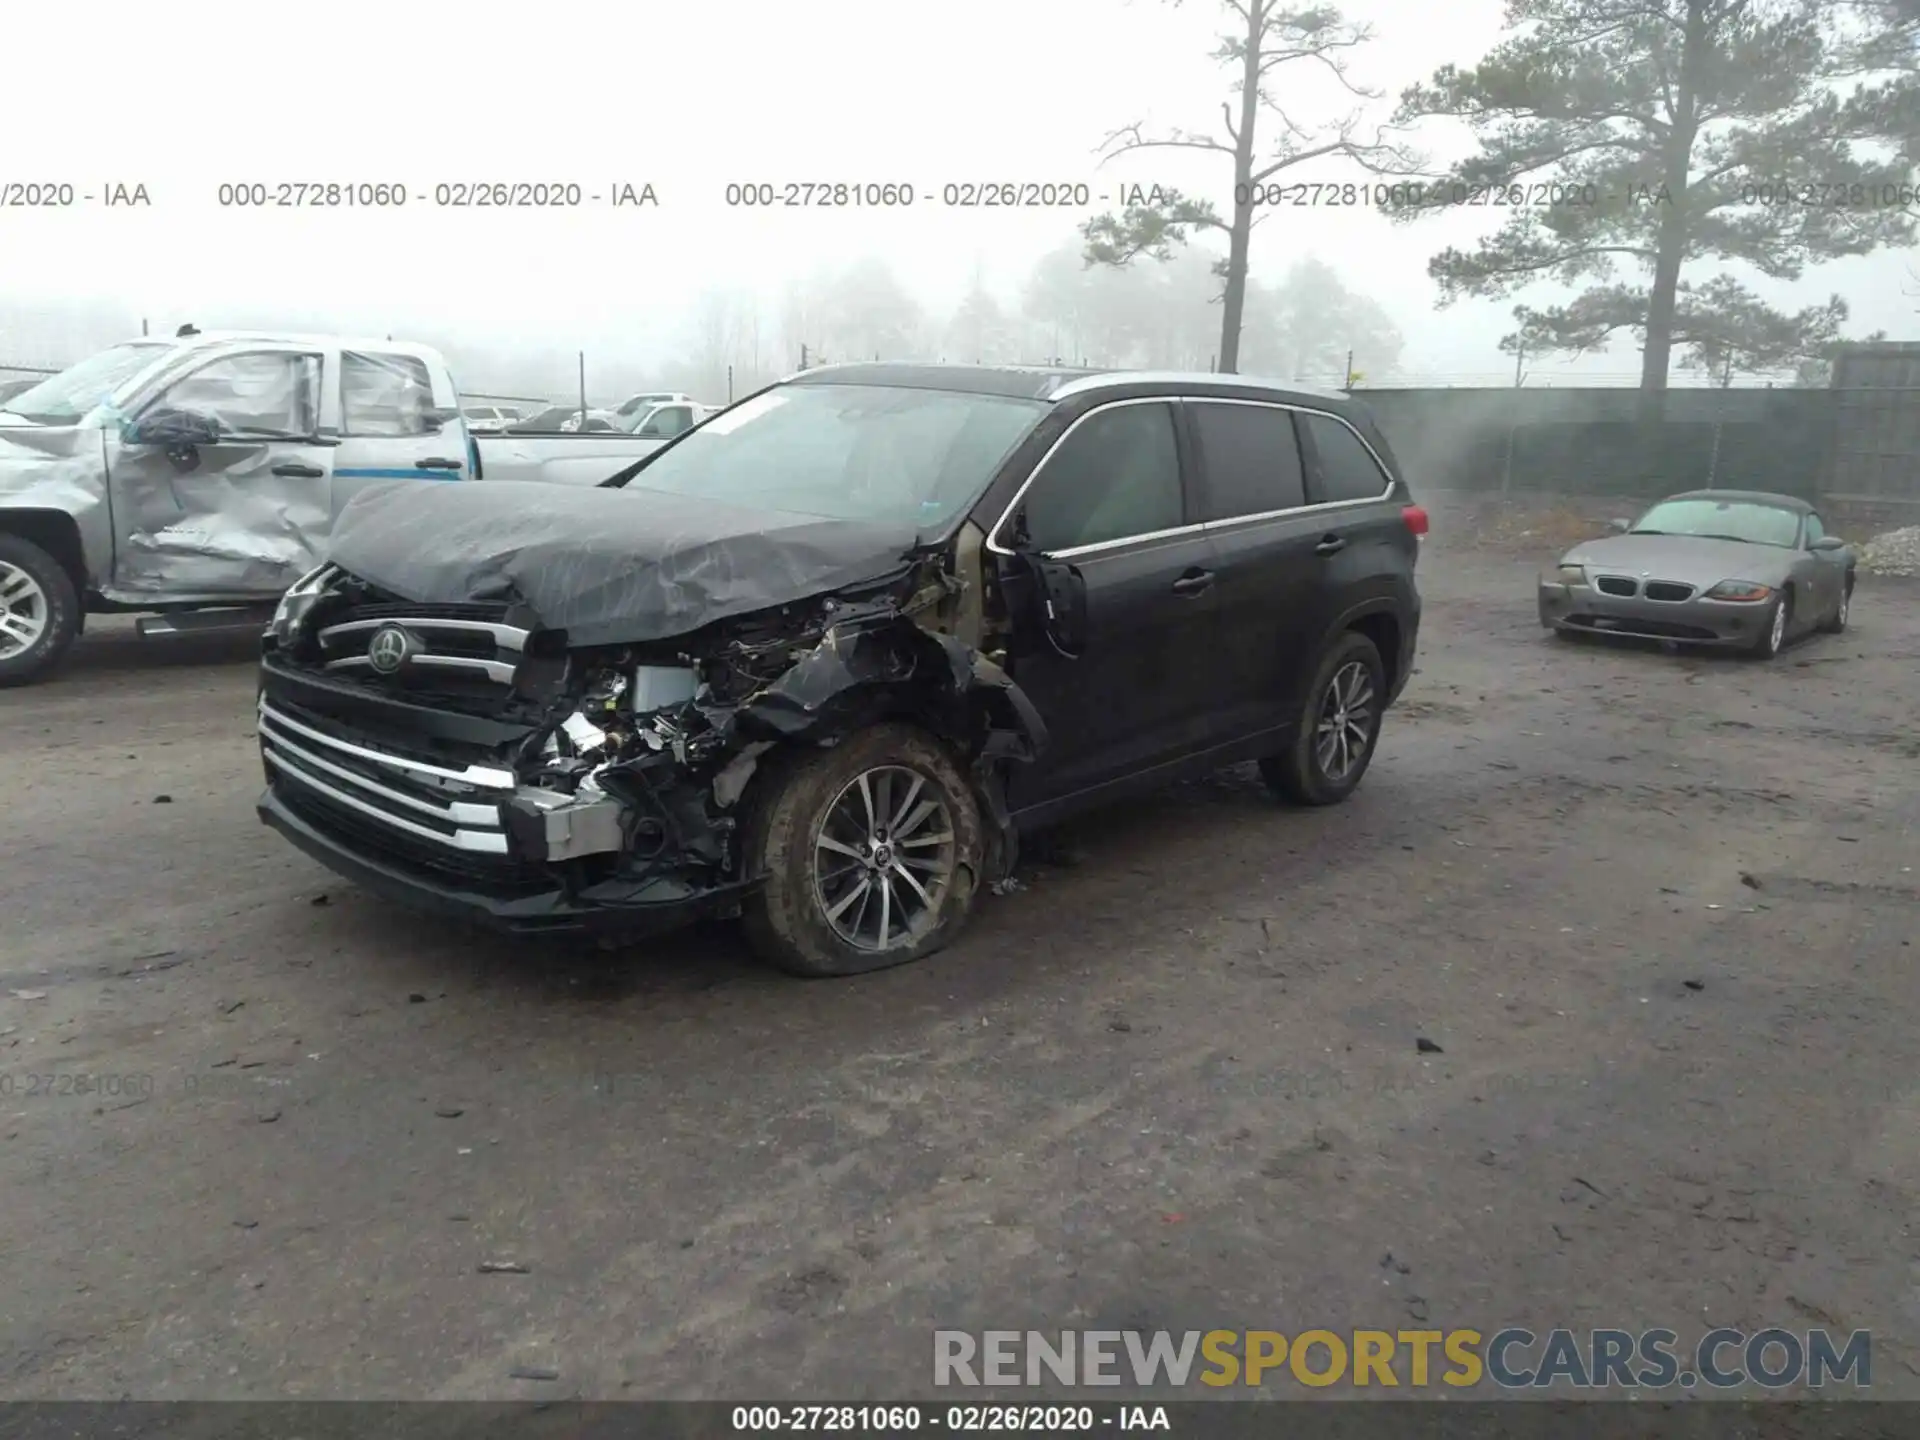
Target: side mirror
x=1063 y=596
x=1047 y=601
x=1828 y=542
x=1619 y=527
x=173 y=429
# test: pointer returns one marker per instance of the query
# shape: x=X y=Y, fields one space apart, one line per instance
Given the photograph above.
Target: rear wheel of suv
x=871 y=852
x=1338 y=728
x=39 y=611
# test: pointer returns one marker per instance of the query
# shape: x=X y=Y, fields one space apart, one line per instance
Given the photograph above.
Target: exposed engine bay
x=638 y=757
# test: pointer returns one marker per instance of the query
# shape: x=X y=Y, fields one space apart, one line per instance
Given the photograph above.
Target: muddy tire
x=39 y=611
x=871 y=852
x=1339 y=727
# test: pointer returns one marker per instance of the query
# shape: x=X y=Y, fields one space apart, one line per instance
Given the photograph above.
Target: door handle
x=299 y=470
x=436 y=463
x=1194 y=582
x=1330 y=545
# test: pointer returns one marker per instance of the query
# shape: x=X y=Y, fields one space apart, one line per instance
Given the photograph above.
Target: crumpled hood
x=609 y=567
x=1686 y=558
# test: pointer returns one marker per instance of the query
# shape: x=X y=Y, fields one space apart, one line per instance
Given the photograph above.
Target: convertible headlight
x=1573 y=574
x=1743 y=590
x=294 y=605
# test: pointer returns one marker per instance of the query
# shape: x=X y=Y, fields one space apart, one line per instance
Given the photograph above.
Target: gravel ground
x=1658 y=914
x=1893 y=552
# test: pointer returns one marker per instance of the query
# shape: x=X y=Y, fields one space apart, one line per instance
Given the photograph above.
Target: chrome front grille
x=1617 y=585
x=439 y=642
x=1669 y=590
x=455 y=809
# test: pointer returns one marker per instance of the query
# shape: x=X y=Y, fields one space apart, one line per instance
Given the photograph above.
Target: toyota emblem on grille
x=391 y=648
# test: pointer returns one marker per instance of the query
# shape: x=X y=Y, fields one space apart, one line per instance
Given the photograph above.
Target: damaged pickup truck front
x=818 y=662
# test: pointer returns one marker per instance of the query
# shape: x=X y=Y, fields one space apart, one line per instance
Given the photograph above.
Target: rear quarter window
x=1346 y=469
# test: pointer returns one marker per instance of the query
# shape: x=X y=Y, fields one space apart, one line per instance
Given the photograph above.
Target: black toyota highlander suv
x=821 y=661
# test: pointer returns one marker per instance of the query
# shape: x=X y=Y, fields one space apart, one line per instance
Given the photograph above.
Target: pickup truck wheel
x=1338 y=728
x=871 y=852
x=39 y=611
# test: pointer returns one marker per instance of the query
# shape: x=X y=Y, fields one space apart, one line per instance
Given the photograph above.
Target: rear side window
x=1348 y=470
x=1250 y=458
x=1115 y=476
x=385 y=395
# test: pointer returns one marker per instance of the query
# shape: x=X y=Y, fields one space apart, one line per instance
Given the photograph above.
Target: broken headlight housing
x=292 y=610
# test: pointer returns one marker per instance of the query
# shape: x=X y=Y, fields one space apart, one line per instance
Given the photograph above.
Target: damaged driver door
x=1115 y=611
x=221 y=487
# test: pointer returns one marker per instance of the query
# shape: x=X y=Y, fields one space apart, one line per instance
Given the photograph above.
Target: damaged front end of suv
x=607 y=712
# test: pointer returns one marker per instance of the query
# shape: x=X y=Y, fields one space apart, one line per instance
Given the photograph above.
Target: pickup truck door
x=243 y=511
x=398 y=420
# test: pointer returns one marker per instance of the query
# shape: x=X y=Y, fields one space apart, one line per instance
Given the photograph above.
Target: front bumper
x=610 y=908
x=413 y=804
x=1723 y=624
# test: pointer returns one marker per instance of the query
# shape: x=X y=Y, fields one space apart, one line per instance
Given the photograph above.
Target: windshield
x=64 y=398
x=1744 y=520
x=848 y=452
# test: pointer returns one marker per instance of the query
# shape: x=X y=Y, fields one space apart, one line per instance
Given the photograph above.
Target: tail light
x=1416 y=518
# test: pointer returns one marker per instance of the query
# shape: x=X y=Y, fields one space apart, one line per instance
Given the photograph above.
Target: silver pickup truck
x=192 y=480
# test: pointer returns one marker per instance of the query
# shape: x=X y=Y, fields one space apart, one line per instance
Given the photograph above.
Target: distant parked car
x=663 y=422
x=1731 y=569
x=647 y=399
x=492 y=419
x=565 y=419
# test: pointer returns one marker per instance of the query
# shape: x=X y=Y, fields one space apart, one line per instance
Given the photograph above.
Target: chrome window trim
x=480 y=777
x=1204 y=526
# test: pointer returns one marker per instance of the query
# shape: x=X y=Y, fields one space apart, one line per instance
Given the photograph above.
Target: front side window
x=1116 y=475
x=1815 y=530
x=385 y=395
x=265 y=392
x=1250 y=458
x=1348 y=470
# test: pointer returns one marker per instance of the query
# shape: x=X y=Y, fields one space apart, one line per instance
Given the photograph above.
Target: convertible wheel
x=1338 y=729
x=871 y=852
x=1773 y=634
x=1840 y=611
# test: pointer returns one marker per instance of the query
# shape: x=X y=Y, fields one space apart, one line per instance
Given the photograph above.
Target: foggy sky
x=685 y=98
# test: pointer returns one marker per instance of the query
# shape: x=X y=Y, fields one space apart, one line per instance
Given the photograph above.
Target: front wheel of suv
x=871 y=852
x=1339 y=727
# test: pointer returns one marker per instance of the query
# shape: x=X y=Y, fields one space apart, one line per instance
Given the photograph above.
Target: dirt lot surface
x=1659 y=914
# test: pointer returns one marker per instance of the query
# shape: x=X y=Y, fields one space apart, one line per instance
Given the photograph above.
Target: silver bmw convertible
x=1733 y=569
